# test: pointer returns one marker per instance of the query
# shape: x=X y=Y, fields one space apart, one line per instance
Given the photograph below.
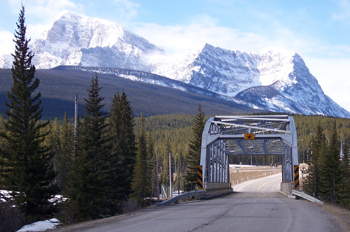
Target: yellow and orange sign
x=249 y=136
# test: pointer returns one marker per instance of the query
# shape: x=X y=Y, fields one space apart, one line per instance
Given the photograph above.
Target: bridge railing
x=213 y=188
x=181 y=196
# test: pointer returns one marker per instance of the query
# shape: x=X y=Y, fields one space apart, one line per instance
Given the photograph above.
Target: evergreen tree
x=64 y=157
x=139 y=182
x=331 y=174
x=2 y=144
x=165 y=166
x=122 y=124
x=317 y=151
x=53 y=140
x=89 y=177
x=345 y=185
x=151 y=167
x=193 y=157
x=28 y=170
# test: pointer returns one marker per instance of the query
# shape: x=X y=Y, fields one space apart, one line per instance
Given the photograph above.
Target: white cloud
x=40 y=14
x=344 y=13
x=332 y=73
x=126 y=9
x=334 y=77
x=179 y=38
x=6 y=42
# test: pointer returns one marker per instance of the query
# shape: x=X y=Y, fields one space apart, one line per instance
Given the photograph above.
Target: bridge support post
x=225 y=136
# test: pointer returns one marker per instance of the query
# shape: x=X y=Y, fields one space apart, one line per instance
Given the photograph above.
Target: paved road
x=266 y=184
x=257 y=207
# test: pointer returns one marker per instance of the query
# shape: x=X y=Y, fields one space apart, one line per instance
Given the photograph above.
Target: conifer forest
x=110 y=162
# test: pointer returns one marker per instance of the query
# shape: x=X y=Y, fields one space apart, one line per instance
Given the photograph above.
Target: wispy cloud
x=6 y=42
x=179 y=38
x=205 y=29
x=334 y=77
x=42 y=11
x=126 y=9
x=344 y=11
x=328 y=63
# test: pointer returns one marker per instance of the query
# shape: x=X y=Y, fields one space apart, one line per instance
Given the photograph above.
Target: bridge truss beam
x=225 y=135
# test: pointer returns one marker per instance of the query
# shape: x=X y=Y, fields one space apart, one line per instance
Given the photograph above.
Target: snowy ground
x=41 y=225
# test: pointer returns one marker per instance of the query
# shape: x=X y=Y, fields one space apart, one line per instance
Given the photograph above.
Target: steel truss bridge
x=225 y=136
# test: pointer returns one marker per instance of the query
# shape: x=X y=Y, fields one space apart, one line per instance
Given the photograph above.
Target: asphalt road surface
x=257 y=206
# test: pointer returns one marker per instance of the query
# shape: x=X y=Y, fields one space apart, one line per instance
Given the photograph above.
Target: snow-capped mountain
x=75 y=39
x=272 y=79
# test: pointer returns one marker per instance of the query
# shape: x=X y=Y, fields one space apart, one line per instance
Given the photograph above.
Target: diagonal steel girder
x=224 y=136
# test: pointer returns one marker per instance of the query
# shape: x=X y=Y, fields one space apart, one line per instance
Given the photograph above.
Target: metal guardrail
x=306 y=196
x=181 y=196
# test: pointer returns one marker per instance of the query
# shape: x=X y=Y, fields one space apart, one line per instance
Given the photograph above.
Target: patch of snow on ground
x=41 y=225
x=241 y=166
x=5 y=194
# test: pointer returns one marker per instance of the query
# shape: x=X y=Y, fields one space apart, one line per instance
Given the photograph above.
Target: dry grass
x=239 y=175
x=342 y=214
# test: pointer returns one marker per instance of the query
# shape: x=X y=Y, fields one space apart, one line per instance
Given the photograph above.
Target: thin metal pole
x=170 y=174
x=157 y=178
x=75 y=123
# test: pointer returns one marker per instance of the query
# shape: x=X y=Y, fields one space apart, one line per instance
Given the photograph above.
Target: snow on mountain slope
x=246 y=76
x=75 y=39
x=273 y=78
x=224 y=71
x=150 y=78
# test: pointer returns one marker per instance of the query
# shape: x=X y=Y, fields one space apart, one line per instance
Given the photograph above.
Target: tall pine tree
x=151 y=167
x=89 y=181
x=28 y=170
x=64 y=156
x=345 y=185
x=316 y=152
x=193 y=157
x=331 y=173
x=121 y=123
x=139 y=182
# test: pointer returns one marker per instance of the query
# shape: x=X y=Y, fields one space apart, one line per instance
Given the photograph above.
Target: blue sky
x=319 y=31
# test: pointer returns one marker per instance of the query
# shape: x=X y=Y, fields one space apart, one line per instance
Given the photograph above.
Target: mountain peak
x=75 y=39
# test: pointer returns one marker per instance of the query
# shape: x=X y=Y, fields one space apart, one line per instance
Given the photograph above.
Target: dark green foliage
x=328 y=177
x=306 y=127
x=315 y=154
x=121 y=123
x=331 y=173
x=139 y=183
x=2 y=144
x=61 y=87
x=88 y=180
x=165 y=165
x=28 y=169
x=345 y=187
x=151 y=182
x=64 y=156
x=193 y=157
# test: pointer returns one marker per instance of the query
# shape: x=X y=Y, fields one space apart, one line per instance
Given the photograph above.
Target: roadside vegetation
x=108 y=165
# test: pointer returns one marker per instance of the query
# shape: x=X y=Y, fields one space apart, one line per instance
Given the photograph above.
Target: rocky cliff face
x=273 y=79
x=75 y=39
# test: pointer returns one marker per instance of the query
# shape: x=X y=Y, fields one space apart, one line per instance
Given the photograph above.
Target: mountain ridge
x=78 y=40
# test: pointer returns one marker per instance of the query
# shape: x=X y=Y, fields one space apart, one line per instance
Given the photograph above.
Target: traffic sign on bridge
x=225 y=136
x=200 y=177
x=249 y=136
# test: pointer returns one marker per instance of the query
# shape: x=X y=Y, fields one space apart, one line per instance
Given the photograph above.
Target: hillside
x=58 y=89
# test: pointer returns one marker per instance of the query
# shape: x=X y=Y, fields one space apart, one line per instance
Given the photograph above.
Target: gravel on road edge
x=341 y=214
